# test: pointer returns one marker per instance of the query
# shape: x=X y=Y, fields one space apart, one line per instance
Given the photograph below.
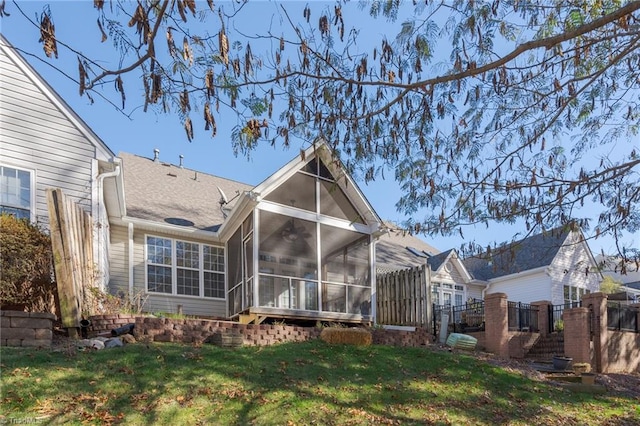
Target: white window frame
x=174 y=268
x=445 y=286
x=576 y=294
x=32 y=189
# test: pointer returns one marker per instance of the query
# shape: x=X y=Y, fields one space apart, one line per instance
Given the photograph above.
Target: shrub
x=558 y=325
x=98 y=302
x=350 y=336
x=26 y=264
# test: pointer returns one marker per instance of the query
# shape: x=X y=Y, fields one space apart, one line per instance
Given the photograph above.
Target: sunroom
x=301 y=245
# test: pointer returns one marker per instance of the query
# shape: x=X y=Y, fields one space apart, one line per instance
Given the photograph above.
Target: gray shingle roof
x=634 y=285
x=436 y=261
x=530 y=253
x=166 y=193
x=393 y=250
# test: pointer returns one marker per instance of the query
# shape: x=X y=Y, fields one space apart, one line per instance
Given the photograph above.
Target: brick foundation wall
x=26 y=329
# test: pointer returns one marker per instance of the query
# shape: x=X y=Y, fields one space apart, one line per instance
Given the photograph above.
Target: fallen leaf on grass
x=126 y=370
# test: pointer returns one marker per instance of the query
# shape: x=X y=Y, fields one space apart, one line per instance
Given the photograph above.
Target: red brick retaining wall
x=103 y=324
x=26 y=328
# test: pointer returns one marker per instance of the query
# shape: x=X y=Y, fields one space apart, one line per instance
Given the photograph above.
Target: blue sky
x=141 y=132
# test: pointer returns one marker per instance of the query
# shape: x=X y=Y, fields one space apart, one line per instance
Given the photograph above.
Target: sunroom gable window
x=184 y=268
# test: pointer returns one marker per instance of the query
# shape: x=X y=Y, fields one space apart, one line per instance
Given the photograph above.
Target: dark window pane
x=213 y=285
x=188 y=282
x=159 y=279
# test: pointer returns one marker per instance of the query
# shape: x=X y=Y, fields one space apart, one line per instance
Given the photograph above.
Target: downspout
x=130 y=260
x=104 y=228
x=373 y=310
x=484 y=290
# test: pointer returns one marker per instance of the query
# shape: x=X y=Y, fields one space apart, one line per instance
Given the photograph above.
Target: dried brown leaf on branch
x=181 y=5
x=82 y=76
x=171 y=44
x=187 y=55
x=48 y=36
x=185 y=106
x=191 y=5
x=120 y=88
x=188 y=127
x=224 y=47
x=141 y=22
x=156 y=88
x=210 y=122
x=210 y=84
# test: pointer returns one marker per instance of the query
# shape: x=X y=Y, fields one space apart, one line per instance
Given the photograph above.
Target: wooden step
x=251 y=319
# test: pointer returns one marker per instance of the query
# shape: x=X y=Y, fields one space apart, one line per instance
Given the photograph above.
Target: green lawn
x=297 y=383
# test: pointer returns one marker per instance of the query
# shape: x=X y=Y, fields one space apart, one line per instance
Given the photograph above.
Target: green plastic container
x=462 y=341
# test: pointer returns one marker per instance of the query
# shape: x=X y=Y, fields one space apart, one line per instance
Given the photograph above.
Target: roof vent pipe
x=156 y=155
x=181 y=158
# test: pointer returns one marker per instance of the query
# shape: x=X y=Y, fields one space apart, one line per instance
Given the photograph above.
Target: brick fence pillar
x=543 y=316
x=577 y=334
x=597 y=303
x=496 y=324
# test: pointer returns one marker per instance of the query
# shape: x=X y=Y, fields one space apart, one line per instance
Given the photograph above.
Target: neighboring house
x=298 y=245
x=629 y=276
x=451 y=283
x=44 y=144
x=557 y=266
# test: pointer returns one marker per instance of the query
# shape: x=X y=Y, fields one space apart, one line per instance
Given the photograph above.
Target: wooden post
x=72 y=245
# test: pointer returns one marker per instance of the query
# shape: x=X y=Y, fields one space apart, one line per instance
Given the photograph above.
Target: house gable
x=340 y=197
x=28 y=86
x=573 y=271
x=41 y=134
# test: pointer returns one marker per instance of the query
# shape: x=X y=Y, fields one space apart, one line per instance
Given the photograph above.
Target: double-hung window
x=16 y=193
x=184 y=268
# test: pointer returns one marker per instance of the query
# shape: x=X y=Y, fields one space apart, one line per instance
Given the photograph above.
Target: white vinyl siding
x=525 y=288
x=119 y=268
x=572 y=267
x=37 y=135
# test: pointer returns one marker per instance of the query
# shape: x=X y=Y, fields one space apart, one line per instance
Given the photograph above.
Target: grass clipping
x=347 y=336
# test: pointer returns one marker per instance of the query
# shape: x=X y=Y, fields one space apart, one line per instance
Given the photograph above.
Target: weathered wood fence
x=403 y=297
x=72 y=242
